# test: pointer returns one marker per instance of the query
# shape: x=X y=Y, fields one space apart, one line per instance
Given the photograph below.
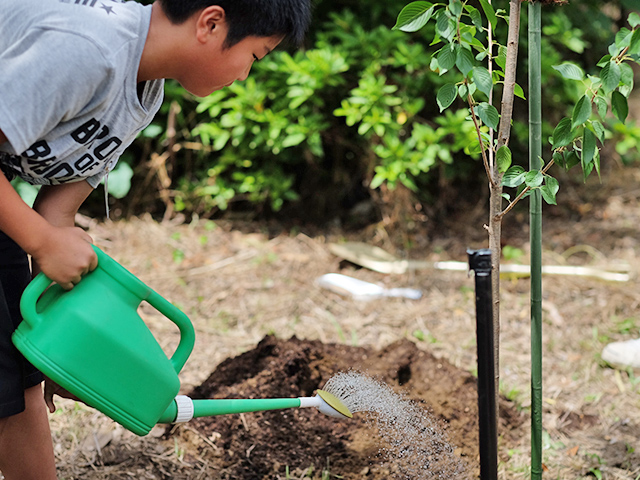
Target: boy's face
x=214 y=66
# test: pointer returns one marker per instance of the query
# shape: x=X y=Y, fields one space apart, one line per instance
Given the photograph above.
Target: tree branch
x=522 y=193
x=487 y=168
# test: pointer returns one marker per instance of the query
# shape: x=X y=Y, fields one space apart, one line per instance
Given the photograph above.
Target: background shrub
x=347 y=120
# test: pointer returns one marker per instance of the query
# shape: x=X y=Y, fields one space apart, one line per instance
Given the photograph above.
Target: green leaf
x=152 y=131
x=446 y=58
x=571 y=159
x=414 y=16
x=619 y=106
x=221 y=140
x=488 y=114
x=586 y=170
x=634 y=45
x=445 y=25
x=513 y=177
x=581 y=112
x=570 y=71
x=626 y=74
x=503 y=158
x=476 y=18
x=558 y=158
x=489 y=12
x=610 y=76
x=601 y=105
x=623 y=37
x=294 y=139
x=433 y=64
x=533 y=178
x=446 y=95
x=626 y=79
x=464 y=60
x=501 y=59
x=465 y=90
x=634 y=20
x=376 y=181
x=604 y=60
x=482 y=79
x=598 y=128
x=588 y=147
x=455 y=7
x=563 y=134
x=518 y=92
x=596 y=162
x=549 y=190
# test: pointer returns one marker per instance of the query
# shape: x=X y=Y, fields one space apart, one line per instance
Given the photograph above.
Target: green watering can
x=91 y=341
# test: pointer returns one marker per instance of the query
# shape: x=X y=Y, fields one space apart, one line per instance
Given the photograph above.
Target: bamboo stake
x=535 y=218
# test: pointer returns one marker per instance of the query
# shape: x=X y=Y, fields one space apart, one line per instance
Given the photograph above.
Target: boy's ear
x=208 y=21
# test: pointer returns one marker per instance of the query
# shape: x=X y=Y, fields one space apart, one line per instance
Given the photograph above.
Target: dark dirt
x=265 y=445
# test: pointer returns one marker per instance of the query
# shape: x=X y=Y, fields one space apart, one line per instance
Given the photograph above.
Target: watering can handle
x=187 y=334
x=30 y=297
x=143 y=292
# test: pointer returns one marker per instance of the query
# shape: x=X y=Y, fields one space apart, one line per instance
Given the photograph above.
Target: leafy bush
x=354 y=112
x=279 y=136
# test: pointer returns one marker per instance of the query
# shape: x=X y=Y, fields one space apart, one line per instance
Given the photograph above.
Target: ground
x=265 y=329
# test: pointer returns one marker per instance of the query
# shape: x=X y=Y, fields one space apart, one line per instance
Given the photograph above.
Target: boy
x=78 y=80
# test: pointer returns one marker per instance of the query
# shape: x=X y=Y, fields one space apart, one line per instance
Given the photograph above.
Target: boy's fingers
x=88 y=237
x=50 y=404
x=94 y=262
x=66 y=286
x=49 y=390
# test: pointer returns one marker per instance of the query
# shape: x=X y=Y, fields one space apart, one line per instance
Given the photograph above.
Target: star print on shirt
x=107 y=9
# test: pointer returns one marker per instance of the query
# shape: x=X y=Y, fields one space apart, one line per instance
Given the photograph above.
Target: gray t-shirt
x=69 y=103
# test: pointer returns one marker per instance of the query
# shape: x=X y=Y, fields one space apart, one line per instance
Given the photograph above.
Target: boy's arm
x=62 y=251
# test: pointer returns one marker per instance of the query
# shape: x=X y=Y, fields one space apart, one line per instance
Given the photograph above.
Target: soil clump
x=273 y=444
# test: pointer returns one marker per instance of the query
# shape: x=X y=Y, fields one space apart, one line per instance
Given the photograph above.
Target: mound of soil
x=294 y=442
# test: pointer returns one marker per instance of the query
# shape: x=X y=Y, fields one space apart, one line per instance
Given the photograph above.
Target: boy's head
x=287 y=19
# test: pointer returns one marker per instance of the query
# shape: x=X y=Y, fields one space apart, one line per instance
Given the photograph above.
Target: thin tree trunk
x=495 y=183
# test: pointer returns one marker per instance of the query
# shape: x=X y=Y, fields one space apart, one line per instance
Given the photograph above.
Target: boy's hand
x=47 y=232
x=51 y=388
x=63 y=252
x=65 y=256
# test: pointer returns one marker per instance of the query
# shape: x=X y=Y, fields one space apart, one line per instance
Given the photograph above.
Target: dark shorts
x=16 y=373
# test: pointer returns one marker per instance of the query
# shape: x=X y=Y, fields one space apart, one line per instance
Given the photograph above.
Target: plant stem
x=488 y=169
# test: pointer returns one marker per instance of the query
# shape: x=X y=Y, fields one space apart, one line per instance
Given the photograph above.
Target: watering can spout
x=183 y=408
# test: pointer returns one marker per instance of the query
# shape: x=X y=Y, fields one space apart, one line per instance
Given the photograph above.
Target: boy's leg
x=26 y=450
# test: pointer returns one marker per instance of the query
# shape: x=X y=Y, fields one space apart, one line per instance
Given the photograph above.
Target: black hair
x=245 y=18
